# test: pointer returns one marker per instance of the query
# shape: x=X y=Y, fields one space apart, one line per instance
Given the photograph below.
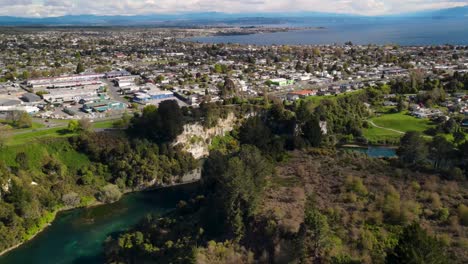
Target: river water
x=374 y=152
x=77 y=236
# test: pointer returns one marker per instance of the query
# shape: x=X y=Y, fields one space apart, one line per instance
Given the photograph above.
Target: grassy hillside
x=34 y=135
x=38 y=150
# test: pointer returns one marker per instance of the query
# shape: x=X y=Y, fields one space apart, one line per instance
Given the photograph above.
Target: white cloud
x=43 y=8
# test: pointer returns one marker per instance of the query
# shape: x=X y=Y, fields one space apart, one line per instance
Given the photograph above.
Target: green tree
x=22 y=160
x=3 y=137
x=26 y=75
x=73 y=126
x=109 y=194
x=218 y=68
x=85 y=125
x=441 y=150
x=459 y=136
x=71 y=199
x=160 y=78
x=315 y=235
x=9 y=76
x=255 y=132
x=24 y=120
x=312 y=132
x=402 y=105
x=80 y=67
x=229 y=88
x=316 y=52
x=161 y=124
x=413 y=148
x=415 y=246
x=124 y=122
x=237 y=183
x=19 y=119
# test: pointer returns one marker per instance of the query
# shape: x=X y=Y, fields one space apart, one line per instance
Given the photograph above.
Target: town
x=94 y=74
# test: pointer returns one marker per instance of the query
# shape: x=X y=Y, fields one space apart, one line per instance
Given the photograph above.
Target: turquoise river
x=77 y=236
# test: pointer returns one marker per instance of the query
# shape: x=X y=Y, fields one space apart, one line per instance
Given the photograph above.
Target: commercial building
x=125 y=81
x=88 y=99
x=65 y=81
x=71 y=94
x=128 y=90
x=281 y=82
x=153 y=95
x=31 y=98
x=58 y=85
x=7 y=105
x=9 y=102
x=103 y=106
x=115 y=74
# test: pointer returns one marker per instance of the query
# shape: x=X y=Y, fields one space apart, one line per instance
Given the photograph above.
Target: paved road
x=113 y=93
x=389 y=129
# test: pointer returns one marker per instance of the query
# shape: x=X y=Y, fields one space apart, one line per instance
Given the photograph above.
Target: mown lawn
x=402 y=122
x=381 y=136
x=104 y=124
x=397 y=121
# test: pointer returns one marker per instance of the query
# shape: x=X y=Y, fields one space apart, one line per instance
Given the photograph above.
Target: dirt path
x=389 y=129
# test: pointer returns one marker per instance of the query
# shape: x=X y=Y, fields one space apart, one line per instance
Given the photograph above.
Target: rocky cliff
x=196 y=139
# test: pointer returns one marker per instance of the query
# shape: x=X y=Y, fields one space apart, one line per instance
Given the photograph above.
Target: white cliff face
x=196 y=139
x=5 y=188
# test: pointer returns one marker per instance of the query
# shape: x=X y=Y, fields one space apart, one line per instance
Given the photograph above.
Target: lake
x=400 y=31
x=77 y=236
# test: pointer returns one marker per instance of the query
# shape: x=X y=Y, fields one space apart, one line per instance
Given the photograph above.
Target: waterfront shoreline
x=94 y=204
x=367 y=146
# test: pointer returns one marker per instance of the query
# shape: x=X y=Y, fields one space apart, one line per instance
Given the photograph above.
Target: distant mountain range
x=210 y=18
x=456 y=12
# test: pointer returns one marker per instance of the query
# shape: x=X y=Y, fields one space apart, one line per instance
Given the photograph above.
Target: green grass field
x=381 y=136
x=35 y=125
x=397 y=121
x=104 y=124
x=38 y=151
x=402 y=122
x=23 y=136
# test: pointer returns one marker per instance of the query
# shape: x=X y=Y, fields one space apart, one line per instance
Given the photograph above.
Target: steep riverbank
x=76 y=236
x=190 y=178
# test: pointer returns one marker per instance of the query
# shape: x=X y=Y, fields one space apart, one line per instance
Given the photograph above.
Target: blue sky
x=47 y=8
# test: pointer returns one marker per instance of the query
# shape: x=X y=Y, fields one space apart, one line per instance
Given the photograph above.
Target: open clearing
x=390 y=127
